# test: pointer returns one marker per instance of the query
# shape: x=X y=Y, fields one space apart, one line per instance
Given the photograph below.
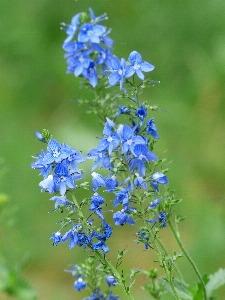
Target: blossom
x=122 y=197
x=151 y=128
x=122 y=110
x=137 y=65
x=55 y=152
x=129 y=139
x=100 y=246
x=56 y=237
x=100 y=158
x=140 y=182
x=141 y=113
x=111 y=183
x=154 y=203
x=142 y=155
x=79 y=284
x=121 y=217
x=111 y=280
x=89 y=32
x=111 y=140
x=72 y=27
x=97 y=181
x=91 y=74
x=117 y=72
x=63 y=179
x=60 y=201
x=48 y=184
x=157 y=178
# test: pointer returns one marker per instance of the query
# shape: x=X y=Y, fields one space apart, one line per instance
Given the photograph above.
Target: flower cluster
x=87 y=47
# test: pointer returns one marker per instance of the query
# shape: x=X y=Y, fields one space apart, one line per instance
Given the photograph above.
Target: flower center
x=89 y=33
x=129 y=142
x=136 y=66
x=56 y=154
x=109 y=139
x=81 y=59
x=120 y=72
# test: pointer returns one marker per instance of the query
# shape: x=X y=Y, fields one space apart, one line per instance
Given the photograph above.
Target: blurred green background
x=185 y=41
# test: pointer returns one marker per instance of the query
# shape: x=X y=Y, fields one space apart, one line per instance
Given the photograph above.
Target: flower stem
x=115 y=273
x=189 y=259
x=162 y=263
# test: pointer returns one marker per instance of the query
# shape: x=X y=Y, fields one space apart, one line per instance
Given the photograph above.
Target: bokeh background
x=185 y=41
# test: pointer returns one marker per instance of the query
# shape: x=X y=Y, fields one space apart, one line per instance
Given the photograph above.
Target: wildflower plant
x=136 y=180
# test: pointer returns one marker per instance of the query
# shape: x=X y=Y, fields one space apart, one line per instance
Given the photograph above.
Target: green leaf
x=181 y=288
x=216 y=280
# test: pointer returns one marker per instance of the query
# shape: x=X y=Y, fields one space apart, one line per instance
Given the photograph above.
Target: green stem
x=175 y=266
x=162 y=262
x=188 y=258
x=115 y=273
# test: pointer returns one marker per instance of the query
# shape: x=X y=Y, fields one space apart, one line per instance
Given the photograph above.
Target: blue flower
x=140 y=182
x=111 y=183
x=56 y=237
x=96 y=201
x=100 y=158
x=129 y=139
x=154 y=203
x=137 y=65
x=122 y=197
x=79 y=284
x=161 y=219
x=48 y=184
x=60 y=201
x=72 y=27
x=38 y=164
x=122 y=110
x=55 y=152
x=91 y=74
x=111 y=280
x=74 y=158
x=141 y=113
x=121 y=217
x=76 y=236
x=151 y=128
x=142 y=156
x=110 y=140
x=97 y=181
x=117 y=72
x=100 y=246
x=89 y=32
x=143 y=237
x=63 y=179
x=157 y=178
x=107 y=232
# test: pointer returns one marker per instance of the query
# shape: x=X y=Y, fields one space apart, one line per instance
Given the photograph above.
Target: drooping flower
x=121 y=218
x=97 y=181
x=140 y=182
x=111 y=280
x=151 y=128
x=60 y=201
x=137 y=65
x=56 y=237
x=141 y=113
x=91 y=74
x=48 y=184
x=63 y=179
x=79 y=284
x=157 y=178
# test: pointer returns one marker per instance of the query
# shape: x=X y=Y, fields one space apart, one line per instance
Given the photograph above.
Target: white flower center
x=56 y=154
x=120 y=72
x=109 y=139
x=89 y=33
x=136 y=66
x=129 y=142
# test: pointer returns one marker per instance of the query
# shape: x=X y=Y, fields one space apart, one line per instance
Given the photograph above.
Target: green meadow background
x=185 y=41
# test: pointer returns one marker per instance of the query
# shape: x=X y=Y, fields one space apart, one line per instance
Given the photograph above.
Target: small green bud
x=84 y=17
